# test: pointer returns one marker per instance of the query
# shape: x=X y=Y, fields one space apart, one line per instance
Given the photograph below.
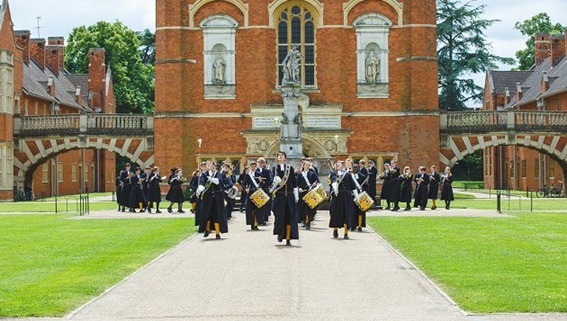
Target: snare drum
x=312 y=198
x=259 y=198
x=364 y=201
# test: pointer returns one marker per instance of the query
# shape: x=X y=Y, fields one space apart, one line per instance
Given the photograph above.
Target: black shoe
x=132 y=210
x=280 y=239
x=422 y=208
x=447 y=207
x=387 y=208
x=180 y=211
x=308 y=227
x=263 y=224
x=169 y=210
x=434 y=207
x=288 y=243
x=335 y=234
x=158 y=211
x=346 y=237
x=352 y=229
x=142 y=210
x=217 y=236
x=206 y=233
x=395 y=209
x=360 y=229
x=123 y=209
x=407 y=209
x=149 y=210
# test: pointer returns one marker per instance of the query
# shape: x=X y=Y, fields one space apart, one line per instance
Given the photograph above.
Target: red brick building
x=348 y=108
x=543 y=87
x=33 y=83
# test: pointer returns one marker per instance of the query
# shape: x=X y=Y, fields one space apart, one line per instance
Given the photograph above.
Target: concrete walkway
x=249 y=276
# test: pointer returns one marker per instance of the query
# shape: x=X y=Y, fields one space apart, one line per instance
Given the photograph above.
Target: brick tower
x=368 y=74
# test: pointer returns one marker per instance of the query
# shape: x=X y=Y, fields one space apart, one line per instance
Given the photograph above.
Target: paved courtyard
x=249 y=276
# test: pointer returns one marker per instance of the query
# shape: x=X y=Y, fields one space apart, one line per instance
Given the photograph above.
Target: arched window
x=296 y=28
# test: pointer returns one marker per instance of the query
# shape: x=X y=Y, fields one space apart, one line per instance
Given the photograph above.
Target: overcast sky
x=59 y=17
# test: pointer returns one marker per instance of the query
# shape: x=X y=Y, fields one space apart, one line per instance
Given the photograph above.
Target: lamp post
x=199 y=143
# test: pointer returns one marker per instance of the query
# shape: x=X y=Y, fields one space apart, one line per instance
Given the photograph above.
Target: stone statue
x=372 y=67
x=291 y=67
x=219 y=67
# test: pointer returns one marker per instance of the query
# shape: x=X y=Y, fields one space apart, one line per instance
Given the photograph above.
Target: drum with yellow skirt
x=259 y=198
x=312 y=199
x=364 y=201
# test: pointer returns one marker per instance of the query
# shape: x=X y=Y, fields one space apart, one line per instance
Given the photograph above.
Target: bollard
x=498 y=205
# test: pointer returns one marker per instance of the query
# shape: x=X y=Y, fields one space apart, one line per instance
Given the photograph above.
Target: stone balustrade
x=83 y=124
x=501 y=121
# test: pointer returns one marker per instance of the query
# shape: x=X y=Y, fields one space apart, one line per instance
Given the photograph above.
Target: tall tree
x=133 y=80
x=540 y=23
x=148 y=46
x=462 y=50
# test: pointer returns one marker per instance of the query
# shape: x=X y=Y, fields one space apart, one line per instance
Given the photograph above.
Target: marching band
x=292 y=195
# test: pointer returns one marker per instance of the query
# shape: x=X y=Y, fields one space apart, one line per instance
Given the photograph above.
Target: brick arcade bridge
x=463 y=133
x=38 y=138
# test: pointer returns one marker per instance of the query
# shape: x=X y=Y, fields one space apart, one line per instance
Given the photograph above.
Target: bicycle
x=548 y=192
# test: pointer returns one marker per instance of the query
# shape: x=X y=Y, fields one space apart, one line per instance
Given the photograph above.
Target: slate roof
x=531 y=87
x=499 y=80
x=35 y=84
x=83 y=81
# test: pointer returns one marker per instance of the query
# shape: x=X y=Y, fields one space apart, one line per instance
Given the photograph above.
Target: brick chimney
x=23 y=41
x=557 y=48
x=58 y=41
x=78 y=96
x=37 y=51
x=51 y=86
x=542 y=47
x=506 y=96
x=544 y=82
x=54 y=60
x=519 y=93
x=97 y=77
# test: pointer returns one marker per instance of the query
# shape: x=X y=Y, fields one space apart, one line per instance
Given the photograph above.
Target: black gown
x=421 y=191
x=434 y=180
x=342 y=210
x=372 y=172
x=447 y=191
x=212 y=206
x=285 y=209
x=175 y=193
x=154 y=191
x=407 y=189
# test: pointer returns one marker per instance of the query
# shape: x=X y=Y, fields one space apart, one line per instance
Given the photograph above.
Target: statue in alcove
x=372 y=68
x=218 y=68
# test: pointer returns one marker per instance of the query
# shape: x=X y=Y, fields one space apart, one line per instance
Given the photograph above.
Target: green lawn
x=516 y=264
x=50 y=264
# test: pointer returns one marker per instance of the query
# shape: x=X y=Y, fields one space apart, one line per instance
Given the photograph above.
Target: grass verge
x=50 y=265
x=488 y=264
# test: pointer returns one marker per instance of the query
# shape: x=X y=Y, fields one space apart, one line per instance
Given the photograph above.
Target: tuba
x=232 y=192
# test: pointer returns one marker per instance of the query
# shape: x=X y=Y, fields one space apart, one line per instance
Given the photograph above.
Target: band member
x=243 y=195
x=434 y=180
x=154 y=192
x=395 y=185
x=211 y=187
x=421 y=180
x=125 y=176
x=193 y=184
x=372 y=173
x=137 y=198
x=175 y=194
x=406 y=180
x=341 y=212
x=265 y=179
x=313 y=167
x=385 y=177
x=198 y=200
x=359 y=217
x=335 y=167
x=306 y=181
x=230 y=180
x=254 y=216
x=145 y=187
x=286 y=197
x=447 y=190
